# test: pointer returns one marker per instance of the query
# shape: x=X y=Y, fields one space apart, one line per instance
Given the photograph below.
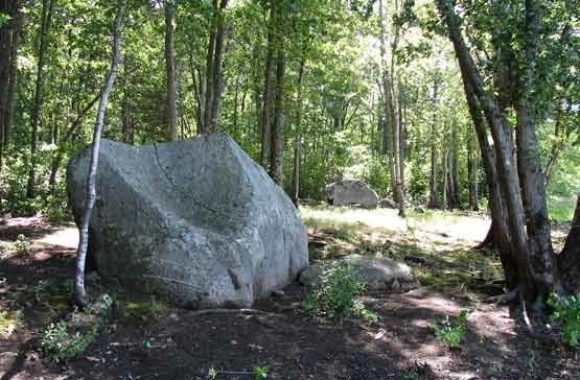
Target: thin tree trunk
x=216 y=80
x=80 y=294
x=66 y=139
x=170 y=70
x=267 y=97
x=472 y=169
x=298 y=139
x=9 y=41
x=277 y=159
x=433 y=194
x=47 y=11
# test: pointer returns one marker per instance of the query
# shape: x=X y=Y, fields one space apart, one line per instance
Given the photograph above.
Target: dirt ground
x=184 y=344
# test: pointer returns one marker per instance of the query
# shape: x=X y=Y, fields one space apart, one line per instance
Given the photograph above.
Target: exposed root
x=233 y=311
x=508 y=298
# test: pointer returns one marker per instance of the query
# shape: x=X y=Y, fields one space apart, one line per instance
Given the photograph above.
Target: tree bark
x=47 y=11
x=472 y=169
x=80 y=294
x=532 y=284
x=268 y=94
x=533 y=187
x=569 y=259
x=277 y=159
x=433 y=194
x=170 y=69
x=213 y=69
x=9 y=41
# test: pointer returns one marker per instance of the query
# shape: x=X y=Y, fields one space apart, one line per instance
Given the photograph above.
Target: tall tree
x=214 y=67
x=533 y=259
x=47 y=12
x=169 y=8
x=80 y=293
x=9 y=40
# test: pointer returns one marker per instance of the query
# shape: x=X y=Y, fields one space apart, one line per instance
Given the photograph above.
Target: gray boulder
x=388 y=203
x=352 y=192
x=380 y=273
x=196 y=222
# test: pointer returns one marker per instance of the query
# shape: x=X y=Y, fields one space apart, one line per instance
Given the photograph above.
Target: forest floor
x=150 y=340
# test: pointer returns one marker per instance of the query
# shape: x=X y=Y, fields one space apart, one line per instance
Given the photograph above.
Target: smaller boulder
x=388 y=203
x=352 y=192
x=379 y=273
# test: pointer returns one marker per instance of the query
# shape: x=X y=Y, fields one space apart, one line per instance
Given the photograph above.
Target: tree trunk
x=277 y=159
x=433 y=194
x=529 y=168
x=80 y=294
x=9 y=41
x=296 y=171
x=454 y=170
x=445 y=192
x=213 y=69
x=170 y=69
x=47 y=11
x=66 y=139
x=569 y=258
x=472 y=169
x=267 y=97
x=530 y=286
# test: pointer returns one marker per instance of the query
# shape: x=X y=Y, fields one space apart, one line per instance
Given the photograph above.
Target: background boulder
x=352 y=192
x=196 y=222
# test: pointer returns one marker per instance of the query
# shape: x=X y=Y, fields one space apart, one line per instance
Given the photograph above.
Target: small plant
x=62 y=346
x=451 y=333
x=211 y=374
x=336 y=296
x=566 y=310
x=145 y=310
x=260 y=373
x=10 y=321
x=22 y=245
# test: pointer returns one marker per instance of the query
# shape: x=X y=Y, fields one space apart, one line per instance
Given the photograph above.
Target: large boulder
x=379 y=273
x=196 y=222
x=352 y=192
x=388 y=203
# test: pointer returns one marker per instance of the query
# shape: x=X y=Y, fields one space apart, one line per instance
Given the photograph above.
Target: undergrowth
x=566 y=311
x=337 y=296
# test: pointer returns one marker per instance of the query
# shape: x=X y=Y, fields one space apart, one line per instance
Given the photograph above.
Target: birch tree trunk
x=80 y=294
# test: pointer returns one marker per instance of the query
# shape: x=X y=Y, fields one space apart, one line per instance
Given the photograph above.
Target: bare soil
x=186 y=344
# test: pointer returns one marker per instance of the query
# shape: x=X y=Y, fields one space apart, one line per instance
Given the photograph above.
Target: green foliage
x=61 y=345
x=566 y=310
x=260 y=373
x=22 y=245
x=337 y=296
x=451 y=333
x=4 y=19
x=67 y=340
x=10 y=321
x=144 y=310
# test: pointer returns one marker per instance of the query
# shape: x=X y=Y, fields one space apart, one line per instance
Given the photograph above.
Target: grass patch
x=145 y=310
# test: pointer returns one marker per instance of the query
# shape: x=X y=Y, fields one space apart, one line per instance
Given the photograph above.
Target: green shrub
x=61 y=345
x=451 y=333
x=566 y=310
x=336 y=296
x=22 y=245
x=260 y=373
